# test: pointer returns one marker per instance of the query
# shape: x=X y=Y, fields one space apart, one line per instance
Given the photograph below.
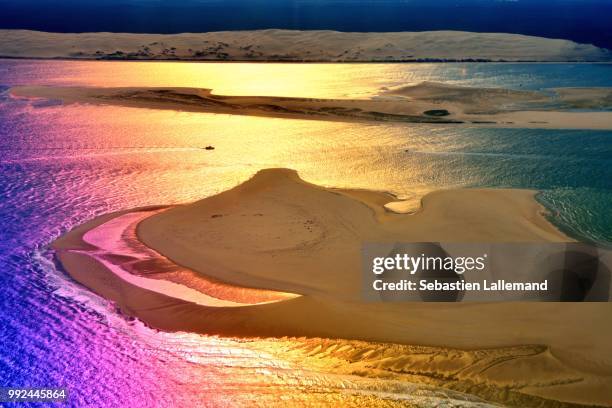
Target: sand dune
x=427 y=102
x=286 y=45
x=278 y=233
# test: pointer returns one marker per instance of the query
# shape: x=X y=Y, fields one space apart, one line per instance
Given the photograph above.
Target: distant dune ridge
x=288 y=45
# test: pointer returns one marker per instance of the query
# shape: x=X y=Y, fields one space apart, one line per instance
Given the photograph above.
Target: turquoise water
x=572 y=169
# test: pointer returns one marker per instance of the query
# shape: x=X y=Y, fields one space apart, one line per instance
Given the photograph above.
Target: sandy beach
x=294 y=45
x=277 y=233
x=426 y=102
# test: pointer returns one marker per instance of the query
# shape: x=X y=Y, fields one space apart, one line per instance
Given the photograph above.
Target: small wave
x=63 y=286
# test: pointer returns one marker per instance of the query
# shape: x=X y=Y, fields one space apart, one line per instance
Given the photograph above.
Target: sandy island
x=289 y=253
x=427 y=102
x=298 y=46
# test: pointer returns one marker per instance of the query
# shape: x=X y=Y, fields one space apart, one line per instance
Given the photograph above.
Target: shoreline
x=423 y=103
x=239 y=61
x=558 y=326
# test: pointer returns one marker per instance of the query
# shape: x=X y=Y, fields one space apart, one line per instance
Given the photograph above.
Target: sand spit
x=119 y=250
x=428 y=102
x=287 y=45
x=278 y=233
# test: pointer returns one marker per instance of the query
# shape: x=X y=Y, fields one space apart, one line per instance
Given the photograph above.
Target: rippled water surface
x=63 y=165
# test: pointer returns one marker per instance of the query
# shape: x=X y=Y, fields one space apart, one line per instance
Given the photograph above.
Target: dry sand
x=276 y=232
x=286 y=45
x=428 y=102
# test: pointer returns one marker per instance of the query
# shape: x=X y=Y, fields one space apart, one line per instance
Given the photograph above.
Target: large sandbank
x=427 y=102
x=278 y=233
x=288 y=45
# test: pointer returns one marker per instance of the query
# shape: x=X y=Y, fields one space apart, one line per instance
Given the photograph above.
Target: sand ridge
x=427 y=102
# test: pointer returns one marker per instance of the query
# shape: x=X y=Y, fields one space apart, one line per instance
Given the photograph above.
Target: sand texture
x=287 y=45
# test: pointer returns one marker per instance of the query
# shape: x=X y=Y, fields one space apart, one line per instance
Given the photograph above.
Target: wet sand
x=278 y=233
x=428 y=102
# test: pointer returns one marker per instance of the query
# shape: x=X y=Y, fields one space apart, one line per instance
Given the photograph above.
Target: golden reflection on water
x=161 y=156
x=270 y=79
